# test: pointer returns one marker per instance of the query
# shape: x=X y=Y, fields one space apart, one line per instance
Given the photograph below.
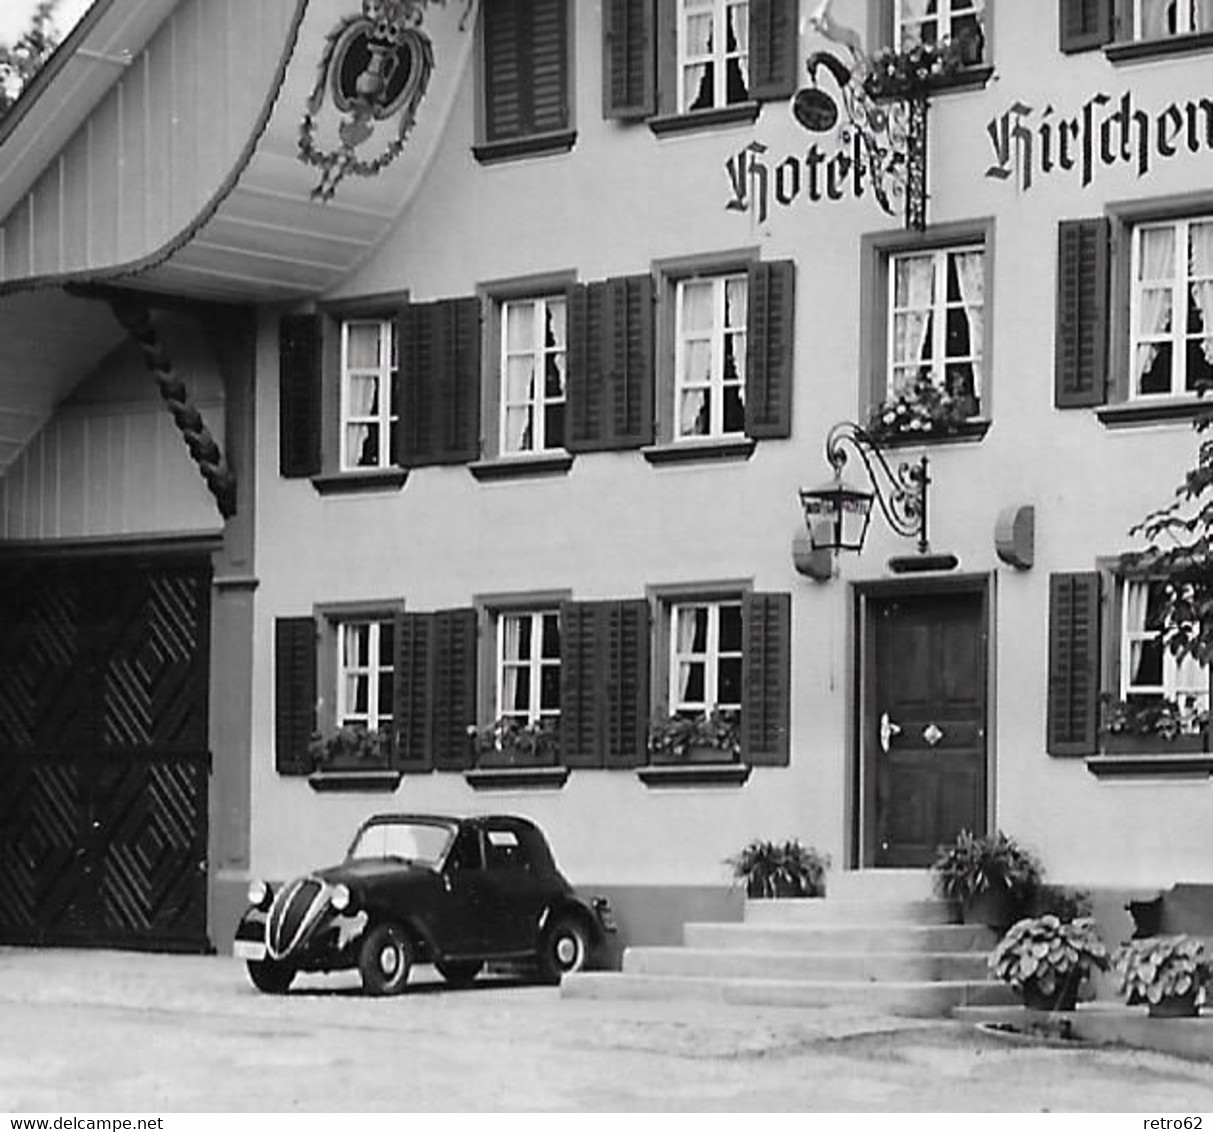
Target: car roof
x=451 y=819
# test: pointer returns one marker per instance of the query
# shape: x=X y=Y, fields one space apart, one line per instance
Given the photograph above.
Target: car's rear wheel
x=565 y=948
x=385 y=960
x=459 y=972
x=269 y=976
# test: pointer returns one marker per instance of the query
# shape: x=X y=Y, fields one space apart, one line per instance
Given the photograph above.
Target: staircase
x=879 y=941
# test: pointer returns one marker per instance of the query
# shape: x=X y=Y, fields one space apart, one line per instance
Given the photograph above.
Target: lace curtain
x=1200 y=263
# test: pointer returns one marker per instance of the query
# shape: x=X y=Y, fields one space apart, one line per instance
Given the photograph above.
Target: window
x=1149 y=671
x=706 y=651
x=713 y=53
x=534 y=343
x=1171 y=307
x=525 y=80
x=528 y=666
x=365 y=658
x=929 y=302
x=1154 y=19
x=369 y=368
x=928 y=22
x=710 y=355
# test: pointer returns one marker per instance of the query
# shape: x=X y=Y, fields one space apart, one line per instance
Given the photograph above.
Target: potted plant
x=918 y=411
x=1138 y=724
x=1165 y=972
x=1047 y=959
x=771 y=869
x=351 y=747
x=510 y=741
x=911 y=72
x=714 y=737
x=991 y=877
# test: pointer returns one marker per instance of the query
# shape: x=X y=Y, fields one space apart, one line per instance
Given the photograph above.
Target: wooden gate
x=103 y=752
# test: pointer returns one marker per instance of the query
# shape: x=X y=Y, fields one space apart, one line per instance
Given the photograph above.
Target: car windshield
x=423 y=842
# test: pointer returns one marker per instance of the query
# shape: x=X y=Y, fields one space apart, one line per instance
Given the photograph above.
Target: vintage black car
x=416 y=888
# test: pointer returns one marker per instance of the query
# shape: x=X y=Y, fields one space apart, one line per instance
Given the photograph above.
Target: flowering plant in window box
x=352 y=747
x=920 y=410
x=712 y=737
x=910 y=72
x=1182 y=726
x=510 y=741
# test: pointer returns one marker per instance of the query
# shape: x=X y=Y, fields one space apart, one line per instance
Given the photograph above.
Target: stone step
x=880 y=884
x=909 y=998
x=872 y=966
x=839 y=938
x=839 y=911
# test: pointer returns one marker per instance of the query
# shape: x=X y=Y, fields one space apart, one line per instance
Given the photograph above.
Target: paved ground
x=91 y=1031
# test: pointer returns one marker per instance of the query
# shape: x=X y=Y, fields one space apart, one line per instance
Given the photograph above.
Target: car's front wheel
x=385 y=960
x=565 y=948
x=459 y=972
x=270 y=976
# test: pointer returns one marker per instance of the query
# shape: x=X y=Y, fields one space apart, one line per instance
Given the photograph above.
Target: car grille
x=294 y=911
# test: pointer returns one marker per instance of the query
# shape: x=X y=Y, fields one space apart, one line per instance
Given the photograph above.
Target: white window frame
x=716 y=384
x=939 y=309
x=1180 y=679
x=948 y=11
x=539 y=351
x=710 y=657
x=535 y=662
x=1187 y=20
x=384 y=372
x=719 y=56
x=377 y=715
x=1178 y=282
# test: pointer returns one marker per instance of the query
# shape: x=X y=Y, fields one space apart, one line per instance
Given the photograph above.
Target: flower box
x=1131 y=743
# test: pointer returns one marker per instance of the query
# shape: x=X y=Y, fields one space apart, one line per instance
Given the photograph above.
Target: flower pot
x=695 y=753
x=997 y=908
x=1064 y=997
x=1130 y=743
x=1176 y=1006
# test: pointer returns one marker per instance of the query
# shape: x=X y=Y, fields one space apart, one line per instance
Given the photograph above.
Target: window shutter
x=580 y=743
x=411 y=746
x=766 y=678
x=453 y=687
x=1085 y=24
x=440 y=356
x=629 y=59
x=771 y=329
x=1082 y=313
x=628 y=337
x=294 y=693
x=585 y=430
x=299 y=412
x=774 y=48
x=1074 y=660
x=526 y=72
x=626 y=642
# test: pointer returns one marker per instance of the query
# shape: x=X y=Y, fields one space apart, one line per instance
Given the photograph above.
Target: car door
x=514 y=893
x=458 y=921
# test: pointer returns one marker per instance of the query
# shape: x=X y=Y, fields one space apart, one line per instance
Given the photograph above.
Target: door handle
x=887 y=730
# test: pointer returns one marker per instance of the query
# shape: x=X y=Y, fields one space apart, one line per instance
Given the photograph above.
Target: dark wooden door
x=925 y=726
x=103 y=752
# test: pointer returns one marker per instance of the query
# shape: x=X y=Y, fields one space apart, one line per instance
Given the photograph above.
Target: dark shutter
x=440 y=356
x=629 y=59
x=1085 y=24
x=299 y=413
x=1074 y=660
x=770 y=329
x=580 y=744
x=453 y=687
x=611 y=365
x=411 y=747
x=766 y=678
x=526 y=71
x=294 y=693
x=774 y=48
x=625 y=640
x=1081 y=355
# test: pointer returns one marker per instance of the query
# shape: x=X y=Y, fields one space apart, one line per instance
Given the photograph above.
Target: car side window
x=503 y=850
x=465 y=854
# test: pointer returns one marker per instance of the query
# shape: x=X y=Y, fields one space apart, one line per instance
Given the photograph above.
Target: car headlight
x=340 y=898
x=258 y=893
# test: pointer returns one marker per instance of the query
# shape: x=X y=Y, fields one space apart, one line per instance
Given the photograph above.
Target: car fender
x=575 y=906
